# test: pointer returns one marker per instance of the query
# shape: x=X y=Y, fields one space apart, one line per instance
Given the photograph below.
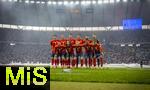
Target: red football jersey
x=63 y=43
x=58 y=45
x=101 y=48
x=88 y=46
x=98 y=47
x=78 y=45
x=70 y=45
x=53 y=44
x=72 y=41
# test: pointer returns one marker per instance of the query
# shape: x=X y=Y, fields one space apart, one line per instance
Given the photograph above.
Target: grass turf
x=96 y=86
x=107 y=75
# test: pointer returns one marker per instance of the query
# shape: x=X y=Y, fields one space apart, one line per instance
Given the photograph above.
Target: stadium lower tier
x=33 y=53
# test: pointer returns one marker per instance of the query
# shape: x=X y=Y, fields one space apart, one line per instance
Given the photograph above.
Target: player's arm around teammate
x=79 y=52
x=70 y=49
x=63 y=51
x=53 y=50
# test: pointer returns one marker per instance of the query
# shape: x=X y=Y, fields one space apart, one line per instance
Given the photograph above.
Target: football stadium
x=83 y=44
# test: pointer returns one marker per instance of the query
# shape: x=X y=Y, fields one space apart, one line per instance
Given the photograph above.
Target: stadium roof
x=73 y=13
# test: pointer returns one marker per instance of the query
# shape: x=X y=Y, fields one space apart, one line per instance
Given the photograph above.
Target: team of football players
x=72 y=52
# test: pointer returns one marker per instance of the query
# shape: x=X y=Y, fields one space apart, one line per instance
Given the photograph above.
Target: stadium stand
x=32 y=46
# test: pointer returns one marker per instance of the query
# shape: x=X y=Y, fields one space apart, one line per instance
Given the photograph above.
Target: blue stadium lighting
x=132 y=24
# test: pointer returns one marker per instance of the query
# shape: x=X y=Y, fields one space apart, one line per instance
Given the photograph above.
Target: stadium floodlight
x=111 y=1
x=130 y=45
x=122 y=45
x=54 y=3
x=124 y=0
x=138 y=45
x=60 y=3
x=49 y=2
x=94 y=2
x=66 y=2
x=42 y=2
x=83 y=2
x=12 y=44
x=37 y=2
x=76 y=2
x=100 y=2
x=32 y=2
x=88 y=2
x=117 y=0
x=71 y=2
x=132 y=0
x=10 y=0
x=27 y=1
x=15 y=0
x=106 y=1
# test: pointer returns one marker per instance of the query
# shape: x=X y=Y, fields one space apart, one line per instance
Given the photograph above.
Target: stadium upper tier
x=140 y=36
x=72 y=14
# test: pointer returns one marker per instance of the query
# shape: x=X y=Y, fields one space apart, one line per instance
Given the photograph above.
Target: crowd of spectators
x=34 y=53
x=24 y=53
x=32 y=46
x=127 y=54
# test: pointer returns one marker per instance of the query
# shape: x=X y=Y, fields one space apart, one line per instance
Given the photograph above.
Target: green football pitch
x=55 y=85
x=100 y=79
x=107 y=75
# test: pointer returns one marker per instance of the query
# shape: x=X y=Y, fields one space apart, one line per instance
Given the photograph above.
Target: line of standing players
x=75 y=52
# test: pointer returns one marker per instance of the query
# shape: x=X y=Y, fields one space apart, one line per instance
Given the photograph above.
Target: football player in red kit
x=74 y=51
x=53 y=44
x=94 y=44
x=99 y=53
x=79 y=52
x=88 y=51
x=58 y=52
x=70 y=49
x=63 y=42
